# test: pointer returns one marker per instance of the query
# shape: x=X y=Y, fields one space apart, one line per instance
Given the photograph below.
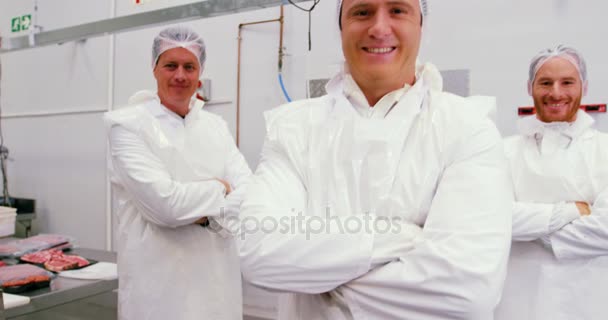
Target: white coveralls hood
x=558 y=263
x=431 y=169
x=162 y=172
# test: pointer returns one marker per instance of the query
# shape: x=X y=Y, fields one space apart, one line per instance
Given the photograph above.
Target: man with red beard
x=388 y=198
x=557 y=268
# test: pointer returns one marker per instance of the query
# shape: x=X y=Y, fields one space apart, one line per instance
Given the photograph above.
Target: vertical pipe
x=110 y=98
x=238 y=89
x=238 y=67
x=281 y=21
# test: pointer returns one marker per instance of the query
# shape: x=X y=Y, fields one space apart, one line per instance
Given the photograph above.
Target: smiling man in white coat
x=559 y=259
x=385 y=199
x=176 y=175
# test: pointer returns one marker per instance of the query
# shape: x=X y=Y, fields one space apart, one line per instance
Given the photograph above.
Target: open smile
x=384 y=50
x=556 y=106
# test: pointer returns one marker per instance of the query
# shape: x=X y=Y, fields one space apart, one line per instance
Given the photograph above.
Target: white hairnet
x=423 y=10
x=567 y=53
x=179 y=37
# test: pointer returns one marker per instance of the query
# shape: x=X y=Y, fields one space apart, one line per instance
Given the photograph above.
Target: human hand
x=226 y=185
x=202 y=221
x=583 y=208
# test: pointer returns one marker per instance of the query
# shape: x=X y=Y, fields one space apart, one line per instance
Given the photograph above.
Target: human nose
x=557 y=91
x=381 y=26
x=180 y=74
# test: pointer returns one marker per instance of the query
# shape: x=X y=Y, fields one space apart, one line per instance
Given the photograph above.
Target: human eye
x=399 y=10
x=170 y=65
x=361 y=13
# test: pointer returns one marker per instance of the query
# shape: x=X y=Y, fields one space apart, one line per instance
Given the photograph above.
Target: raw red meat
x=7 y=249
x=20 y=247
x=49 y=240
x=60 y=264
x=41 y=256
x=55 y=260
x=22 y=274
x=82 y=262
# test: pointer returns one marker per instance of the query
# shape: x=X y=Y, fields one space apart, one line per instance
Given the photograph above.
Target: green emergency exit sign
x=21 y=23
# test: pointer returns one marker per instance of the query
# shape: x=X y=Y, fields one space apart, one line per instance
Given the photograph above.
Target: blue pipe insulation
x=283 y=88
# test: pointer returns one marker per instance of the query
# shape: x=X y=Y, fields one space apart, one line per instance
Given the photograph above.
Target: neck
x=180 y=109
x=373 y=95
x=375 y=89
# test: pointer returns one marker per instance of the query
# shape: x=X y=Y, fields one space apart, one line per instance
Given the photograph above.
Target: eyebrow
x=364 y=3
x=389 y=2
x=556 y=79
x=180 y=62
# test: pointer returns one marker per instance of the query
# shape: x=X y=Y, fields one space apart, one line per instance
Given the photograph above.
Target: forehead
x=178 y=54
x=350 y=3
x=557 y=67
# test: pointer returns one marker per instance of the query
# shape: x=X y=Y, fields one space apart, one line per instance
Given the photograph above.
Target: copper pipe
x=259 y=22
x=238 y=91
x=281 y=42
x=238 y=68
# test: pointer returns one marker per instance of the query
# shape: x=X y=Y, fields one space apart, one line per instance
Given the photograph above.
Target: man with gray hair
x=174 y=169
x=558 y=161
x=385 y=199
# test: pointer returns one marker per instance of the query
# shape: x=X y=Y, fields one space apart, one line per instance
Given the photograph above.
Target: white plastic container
x=7 y=221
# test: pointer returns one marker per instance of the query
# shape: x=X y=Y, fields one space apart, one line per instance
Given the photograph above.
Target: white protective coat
x=567 y=277
x=435 y=161
x=162 y=172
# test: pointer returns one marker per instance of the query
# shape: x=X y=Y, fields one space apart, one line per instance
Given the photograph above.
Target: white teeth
x=379 y=50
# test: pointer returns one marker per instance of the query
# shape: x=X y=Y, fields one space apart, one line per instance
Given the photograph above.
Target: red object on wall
x=525 y=111
x=198 y=95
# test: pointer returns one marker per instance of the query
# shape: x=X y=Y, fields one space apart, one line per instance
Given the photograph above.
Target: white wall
x=60 y=159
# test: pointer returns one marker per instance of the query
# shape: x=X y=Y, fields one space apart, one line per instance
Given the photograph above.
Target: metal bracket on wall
x=193 y=11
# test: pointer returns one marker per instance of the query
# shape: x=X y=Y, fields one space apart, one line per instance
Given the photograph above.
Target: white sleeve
x=285 y=248
x=237 y=174
x=586 y=237
x=457 y=269
x=161 y=200
x=237 y=169
x=532 y=221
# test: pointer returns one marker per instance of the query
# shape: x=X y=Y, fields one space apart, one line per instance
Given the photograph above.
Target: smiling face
x=557 y=91
x=380 y=40
x=177 y=73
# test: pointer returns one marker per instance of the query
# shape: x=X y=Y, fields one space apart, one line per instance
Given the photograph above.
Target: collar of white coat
x=357 y=98
x=157 y=109
x=342 y=83
x=428 y=73
x=343 y=87
x=531 y=125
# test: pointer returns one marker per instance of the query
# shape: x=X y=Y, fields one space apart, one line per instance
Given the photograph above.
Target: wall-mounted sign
x=22 y=23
